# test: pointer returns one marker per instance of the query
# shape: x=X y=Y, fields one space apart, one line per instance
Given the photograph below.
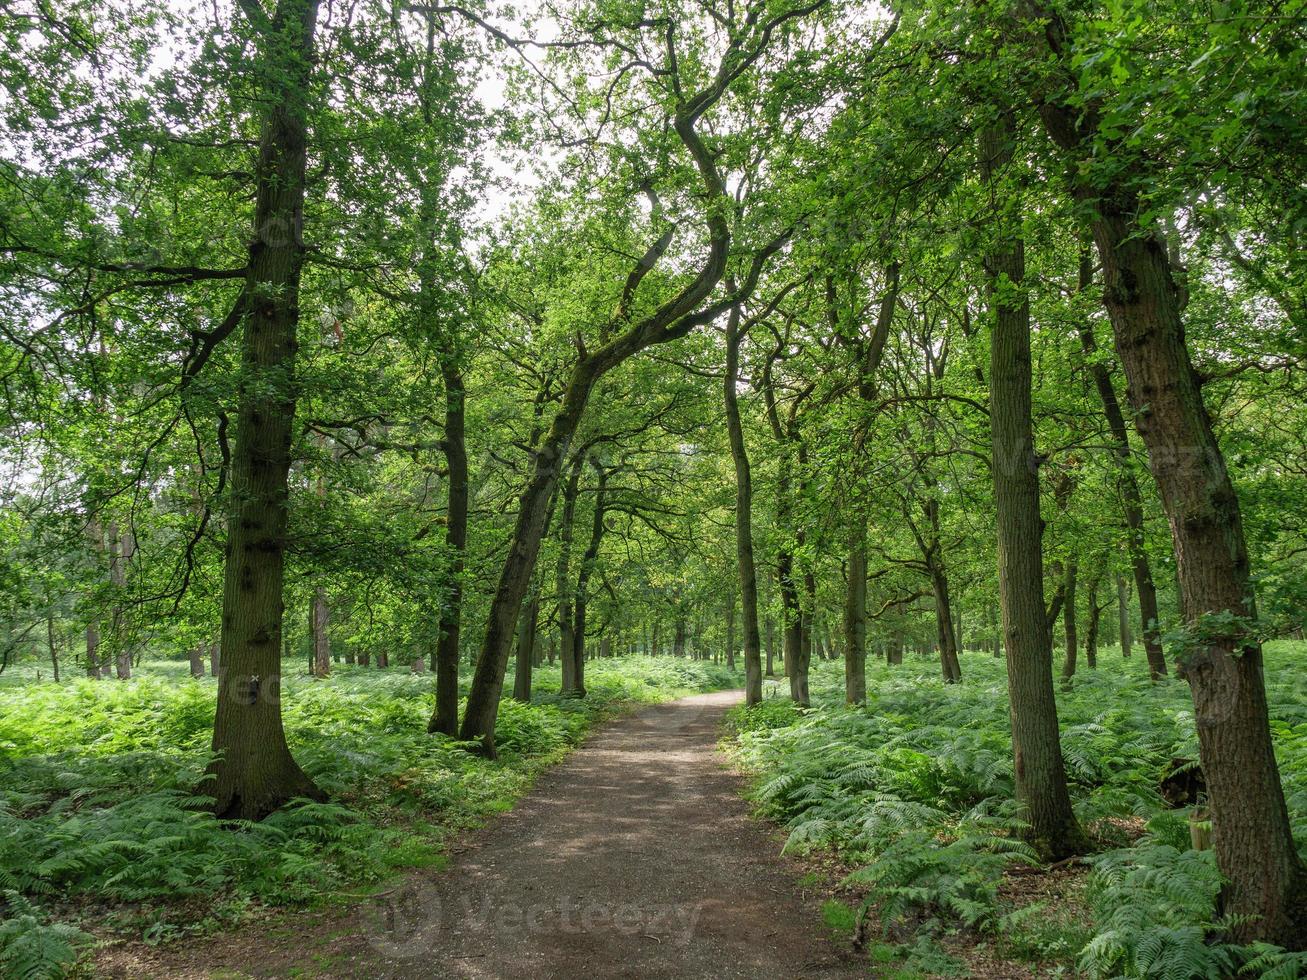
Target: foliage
x=98 y=782
x=915 y=791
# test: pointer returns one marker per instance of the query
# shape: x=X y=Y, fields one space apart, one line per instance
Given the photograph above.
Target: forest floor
x=635 y=857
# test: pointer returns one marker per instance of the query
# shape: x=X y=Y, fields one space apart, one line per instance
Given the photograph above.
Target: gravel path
x=635 y=857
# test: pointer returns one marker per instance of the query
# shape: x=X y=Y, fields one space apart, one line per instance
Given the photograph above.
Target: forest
x=827 y=477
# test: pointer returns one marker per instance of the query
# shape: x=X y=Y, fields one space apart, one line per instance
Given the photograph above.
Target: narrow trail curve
x=634 y=858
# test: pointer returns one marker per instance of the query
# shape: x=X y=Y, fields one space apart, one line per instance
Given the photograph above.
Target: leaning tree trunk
x=444 y=719
x=1040 y=772
x=254 y=772
x=747 y=569
x=671 y=320
x=1266 y=882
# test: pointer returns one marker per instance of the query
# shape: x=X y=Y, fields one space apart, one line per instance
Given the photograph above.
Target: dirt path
x=633 y=858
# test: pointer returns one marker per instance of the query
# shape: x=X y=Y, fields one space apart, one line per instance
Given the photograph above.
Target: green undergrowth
x=99 y=824
x=915 y=792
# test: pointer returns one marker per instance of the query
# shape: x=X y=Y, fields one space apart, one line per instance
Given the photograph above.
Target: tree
x=1040 y=772
x=254 y=772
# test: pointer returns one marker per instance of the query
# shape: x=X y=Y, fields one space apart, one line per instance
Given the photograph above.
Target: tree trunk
x=745 y=566
x=1095 y=617
x=945 y=633
x=730 y=641
x=1131 y=499
x=771 y=645
x=526 y=642
x=319 y=615
x=254 y=772
x=563 y=581
x=120 y=552
x=1123 y=615
x=588 y=560
x=678 y=641
x=196 y=654
x=1266 y=883
x=54 y=648
x=1069 y=621
x=855 y=619
x=1041 y=786
x=444 y=719
x=1254 y=847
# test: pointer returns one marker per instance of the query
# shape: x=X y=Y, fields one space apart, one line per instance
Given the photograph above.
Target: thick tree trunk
x=1266 y=883
x=444 y=719
x=1250 y=825
x=745 y=566
x=1040 y=772
x=254 y=772
x=855 y=619
x=196 y=654
x=678 y=642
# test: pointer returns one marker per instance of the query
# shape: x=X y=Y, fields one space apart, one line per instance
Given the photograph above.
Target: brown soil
x=635 y=857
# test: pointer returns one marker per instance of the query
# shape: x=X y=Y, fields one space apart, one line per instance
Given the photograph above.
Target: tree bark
x=1123 y=615
x=745 y=566
x=730 y=639
x=444 y=719
x=588 y=561
x=855 y=619
x=1131 y=499
x=120 y=552
x=1040 y=772
x=1069 y=621
x=54 y=648
x=526 y=642
x=254 y=772
x=1095 y=618
x=319 y=615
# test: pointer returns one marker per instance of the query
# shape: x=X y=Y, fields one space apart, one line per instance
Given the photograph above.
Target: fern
x=32 y=948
